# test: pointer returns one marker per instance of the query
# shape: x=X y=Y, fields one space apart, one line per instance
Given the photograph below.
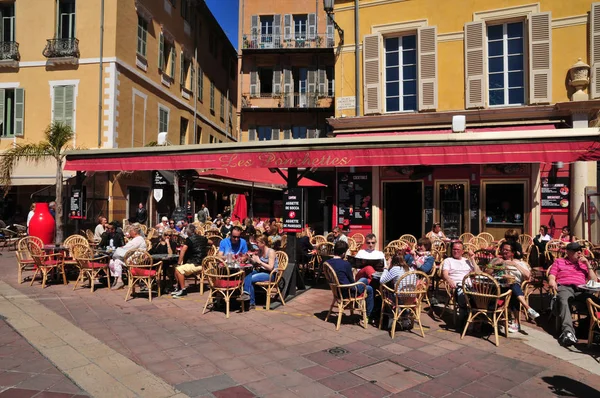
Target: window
x=66 y=19
x=186 y=10
x=64 y=104
x=141 y=37
x=212 y=97
x=163 y=119
x=222 y=110
x=213 y=140
x=330 y=81
x=12 y=109
x=401 y=73
x=300 y=27
x=186 y=65
x=264 y=133
x=200 y=92
x=183 y=126
x=265 y=76
x=504 y=203
x=7 y=17
x=266 y=25
x=198 y=137
x=299 y=132
x=506 y=75
x=166 y=56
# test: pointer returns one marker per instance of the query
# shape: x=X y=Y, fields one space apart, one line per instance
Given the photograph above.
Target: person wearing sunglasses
x=369 y=253
x=233 y=244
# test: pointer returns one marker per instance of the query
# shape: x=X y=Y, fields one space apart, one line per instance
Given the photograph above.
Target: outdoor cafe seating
x=89 y=265
x=345 y=297
x=142 y=269
x=46 y=263
x=25 y=261
x=223 y=281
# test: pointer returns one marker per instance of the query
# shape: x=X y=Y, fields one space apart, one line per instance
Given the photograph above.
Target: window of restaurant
x=504 y=206
x=452 y=206
x=506 y=77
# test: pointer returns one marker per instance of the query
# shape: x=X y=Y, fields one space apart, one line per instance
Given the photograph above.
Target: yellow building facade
x=165 y=66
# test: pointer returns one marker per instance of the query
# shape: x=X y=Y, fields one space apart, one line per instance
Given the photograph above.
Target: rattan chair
x=151 y=233
x=317 y=240
x=594 y=311
x=359 y=239
x=485 y=302
x=554 y=250
x=352 y=246
x=479 y=243
x=345 y=297
x=470 y=246
x=489 y=238
x=526 y=242
x=24 y=260
x=144 y=229
x=222 y=283
x=214 y=239
x=438 y=245
x=405 y=298
x=271 y=287
x=90 y=236
x=410 y=239
x=394 y=246
x=466 y=237
x=69 y=243
x=46 y=263
x=89 y=266
x=141 y=268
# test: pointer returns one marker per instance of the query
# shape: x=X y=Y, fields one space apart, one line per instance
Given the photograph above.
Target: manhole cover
x=337 y=351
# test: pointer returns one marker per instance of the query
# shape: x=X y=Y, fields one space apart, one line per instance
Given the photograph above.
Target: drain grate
x=337 y=351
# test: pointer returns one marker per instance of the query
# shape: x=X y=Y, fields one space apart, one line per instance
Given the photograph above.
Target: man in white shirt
x=136 y=241
x=455 y=268
x=370 y=253
x=100 y=228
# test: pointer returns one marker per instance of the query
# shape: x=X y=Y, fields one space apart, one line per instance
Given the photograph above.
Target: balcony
x=278 y=42
x=9 y=54
x=286 y=101
x=62 y=51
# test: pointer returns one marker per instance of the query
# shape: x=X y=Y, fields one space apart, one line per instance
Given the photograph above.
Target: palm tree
x=58 y=139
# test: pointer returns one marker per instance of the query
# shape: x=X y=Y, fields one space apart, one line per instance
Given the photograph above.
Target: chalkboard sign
x=474 y=209
x=354 y=199
x=428 y=210
x=293 y=208
x=77 y=209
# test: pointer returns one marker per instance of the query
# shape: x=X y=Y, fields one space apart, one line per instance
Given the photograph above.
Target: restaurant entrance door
x=403 y=209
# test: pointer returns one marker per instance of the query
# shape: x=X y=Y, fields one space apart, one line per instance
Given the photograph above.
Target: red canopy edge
x=261 y=176
x=534 y=152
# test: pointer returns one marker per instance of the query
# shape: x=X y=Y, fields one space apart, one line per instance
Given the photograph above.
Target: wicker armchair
x=485 y=302
x=222 y=283
x=214 y=239
x=554 y=250
x=466 y=237
x=410 y=239
x=46 y=263
x=438 y=245
x=594 y=311
x=317 y=240
x=141 y=268
x=345 y=297
x=359 y=239
x=271 y=287
x=316 y=261
x=24 y=260
x=151 y=233
x=405 y=298
x=89 y=266
x=489 y=238
x=69 y=243
x=394 y=246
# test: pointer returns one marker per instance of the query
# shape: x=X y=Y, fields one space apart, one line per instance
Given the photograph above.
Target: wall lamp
x=328 y=7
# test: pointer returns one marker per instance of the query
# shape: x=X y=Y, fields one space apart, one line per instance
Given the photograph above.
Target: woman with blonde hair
x=264 y=262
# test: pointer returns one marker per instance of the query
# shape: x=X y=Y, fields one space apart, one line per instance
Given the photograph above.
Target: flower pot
x=42 y=224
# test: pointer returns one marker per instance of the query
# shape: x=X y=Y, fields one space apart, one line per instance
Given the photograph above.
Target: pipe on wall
x=356 y=62
x=100 y=73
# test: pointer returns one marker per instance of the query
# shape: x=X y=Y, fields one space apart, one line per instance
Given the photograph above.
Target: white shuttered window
x=506 y=64
x=595 y=50
x=64 y=97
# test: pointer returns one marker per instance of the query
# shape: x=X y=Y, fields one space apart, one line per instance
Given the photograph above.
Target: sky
x=226 y=12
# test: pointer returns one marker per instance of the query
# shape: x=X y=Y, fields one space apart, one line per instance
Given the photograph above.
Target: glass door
x=66 y=19
x=452 y=206
x=302 y=87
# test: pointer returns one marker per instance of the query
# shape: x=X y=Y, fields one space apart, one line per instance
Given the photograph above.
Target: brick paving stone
x=481 y=390
x=342 y=381
x=234 y=392
x=311 y=390
x=368 y=390
x=320 y=357
x=18 y=393
x=418 y=356
x=339 y=365
x=378 y=353
x=434 y=389
x=264 y=387
x=317 y=372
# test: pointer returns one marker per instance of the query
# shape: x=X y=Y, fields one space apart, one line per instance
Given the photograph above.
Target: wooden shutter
x=475 y=65
x=254 y=27
x=277 y=80
x=69 y=105
x=251 y=134
x=173 y=60
x=312 y=86
x=277 y=30
x=254 y=84
x=372 y=45
x=287 y=134
x=2 y=96
x=427 y=66
x=288 y=88
x=200 y=93
x=312 y=133
x=287 y=26
x=19 y=111
x=161 y=52
x=595 y=50
x=540 y=58
x=322 y=82
x=275 y=134
x=312 y=26
x=181 y=68
x=330 y=32
x=59 y=104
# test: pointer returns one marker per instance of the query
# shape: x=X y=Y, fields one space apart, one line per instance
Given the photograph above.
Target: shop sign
x=555 y=195
x=158 y=180
x=158 y=194
x=293 y=210
x=77 y=204
x=345 y=103
x=354 y=199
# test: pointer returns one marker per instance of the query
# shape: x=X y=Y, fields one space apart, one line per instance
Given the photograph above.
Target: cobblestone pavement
x=288 y=352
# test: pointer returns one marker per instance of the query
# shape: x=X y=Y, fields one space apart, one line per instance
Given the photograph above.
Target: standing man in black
x=141 y=214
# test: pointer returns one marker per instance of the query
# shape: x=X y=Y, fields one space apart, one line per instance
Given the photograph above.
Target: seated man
x=191 y=255
x=233 y=244
x=455 y=268
x=112 y=237
x=343 y=270
x=565 y=275
x=136 y=241
x=368 y=254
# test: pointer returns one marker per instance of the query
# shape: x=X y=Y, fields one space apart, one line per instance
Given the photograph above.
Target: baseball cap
x=574 y=247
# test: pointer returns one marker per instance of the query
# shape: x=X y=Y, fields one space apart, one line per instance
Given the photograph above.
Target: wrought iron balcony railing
x=266 y=42
x=61 y=48
x=9 y=50
x=286 y=100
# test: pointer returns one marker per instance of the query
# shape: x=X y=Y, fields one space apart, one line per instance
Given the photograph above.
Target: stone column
x=377 y=213
x=536 y=200
x=583 y=174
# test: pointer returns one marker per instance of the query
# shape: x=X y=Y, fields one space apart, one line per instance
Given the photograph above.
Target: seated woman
x=436 y=232
x=166 y=245
x=264 y=262
x=520 y=270
x=512 y=235
x=391 y=274
x=565 y=235
x=421 y=259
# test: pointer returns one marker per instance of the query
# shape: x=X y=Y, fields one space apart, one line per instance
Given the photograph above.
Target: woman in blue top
x=264 y=262
x=422 y=259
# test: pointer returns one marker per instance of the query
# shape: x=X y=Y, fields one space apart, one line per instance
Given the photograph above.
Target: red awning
x=261 y=176
x=396 y=154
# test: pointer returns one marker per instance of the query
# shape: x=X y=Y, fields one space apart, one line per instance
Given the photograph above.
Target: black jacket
x=141 y=215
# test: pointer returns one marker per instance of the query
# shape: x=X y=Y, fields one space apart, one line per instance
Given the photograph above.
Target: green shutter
x=161 y=52
x=173 y=59
x=69 y=105
x=2 y=126
x=19 y=111
x=59 y=104
x=181 y=68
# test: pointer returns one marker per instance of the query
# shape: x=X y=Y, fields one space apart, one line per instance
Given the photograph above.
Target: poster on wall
x=354 y=200
x=77 y=209
x=555 y=195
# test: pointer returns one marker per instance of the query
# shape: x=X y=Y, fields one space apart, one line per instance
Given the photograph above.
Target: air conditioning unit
x=459 y=123
x=162 y=138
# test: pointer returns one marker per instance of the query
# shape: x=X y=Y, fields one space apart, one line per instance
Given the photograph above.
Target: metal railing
x=266 y=42
x=286 y=100
x=9 y=50
x=57 y=48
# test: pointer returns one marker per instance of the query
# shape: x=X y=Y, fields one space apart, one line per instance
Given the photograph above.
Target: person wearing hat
x=565 y=276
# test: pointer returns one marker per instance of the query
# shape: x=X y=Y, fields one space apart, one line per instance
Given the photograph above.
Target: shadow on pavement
x=567 y=387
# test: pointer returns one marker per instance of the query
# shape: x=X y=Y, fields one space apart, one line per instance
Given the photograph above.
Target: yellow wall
x=568 y=42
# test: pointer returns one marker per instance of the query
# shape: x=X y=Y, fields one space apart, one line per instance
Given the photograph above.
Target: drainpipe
x=100 y=74
x=356 y=62
x=197 y=74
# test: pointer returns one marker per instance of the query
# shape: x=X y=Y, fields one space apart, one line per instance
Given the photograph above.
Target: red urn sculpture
x=42 y=224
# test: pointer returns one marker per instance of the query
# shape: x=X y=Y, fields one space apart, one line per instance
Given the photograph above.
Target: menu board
x=428 y=200
x=555 y=195
x=293 y=210
x=77 y=204
x=354 y=199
